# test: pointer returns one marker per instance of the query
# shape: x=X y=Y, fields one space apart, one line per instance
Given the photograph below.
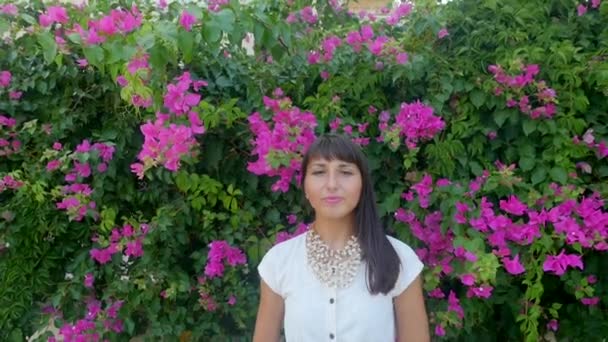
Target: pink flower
x=307 y=14
x=436 y=293
x=232 y=300
x=214 y=269
x=590 y=301
x=513 y=266
x=88 y=280
x=83 y=170
x=134 y=248
x=559 y=263
x=581 y=9
x=54 y=14
x=236 y=257
x=416 y=122
x=443 y=33
x=291 y=18
x=602 y=150
x=482 y=291
x=592 y=279
x=57 y=146
x=513 y=206
x=467 y=279
x=552 y=325
x=187 y=20
x=5 y=78
x=424 y=189
x=401 y=58
x=15 y=95
x=53 y=165
x=102 y=256
x=454 y=305
x=439 y=330
x=377 y=45
x=137 y=63
x=595 y=3
x=82 y=62
x=9 y=9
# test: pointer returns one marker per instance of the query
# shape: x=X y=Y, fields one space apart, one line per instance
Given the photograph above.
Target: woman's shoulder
x=404 y=250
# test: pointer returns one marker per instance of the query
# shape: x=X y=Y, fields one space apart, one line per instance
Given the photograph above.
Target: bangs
x=333 y=147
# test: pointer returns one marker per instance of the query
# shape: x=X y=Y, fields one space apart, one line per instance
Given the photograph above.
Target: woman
x=344 y=279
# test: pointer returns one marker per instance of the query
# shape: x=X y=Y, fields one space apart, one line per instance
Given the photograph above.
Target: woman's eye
x=348 y=173
x=317 y=172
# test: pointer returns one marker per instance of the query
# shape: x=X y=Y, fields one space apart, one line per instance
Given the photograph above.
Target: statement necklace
x=334 y=268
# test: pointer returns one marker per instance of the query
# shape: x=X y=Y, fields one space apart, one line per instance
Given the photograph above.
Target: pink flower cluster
x=53 y=14
x=8 y=182
x=416 y=122
x=357 y=136
x=380 y=46
x=582 y=222
x=558 y=264
x=9 y=143
x=220 y=251
x=187 y=20
x=9 y=9
x=118 y=22
x=216 y=5
x=398 y=13
x=94 y=325
x=139 y=69
x=206 y=300
x=76 y=199
x=165 y=142
x=589 y=140
x=127 y=239
x=454 y=308
x=5 y=78
x=532 y=97
x=280 y=148
x=581 y=9
x=306 y=14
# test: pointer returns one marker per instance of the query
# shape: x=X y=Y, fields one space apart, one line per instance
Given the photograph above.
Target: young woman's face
x=333 y=187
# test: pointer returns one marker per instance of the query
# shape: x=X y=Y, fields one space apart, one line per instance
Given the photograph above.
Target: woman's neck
x=335 y=233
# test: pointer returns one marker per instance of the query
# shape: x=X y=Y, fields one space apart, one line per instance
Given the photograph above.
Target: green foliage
x=44 y=255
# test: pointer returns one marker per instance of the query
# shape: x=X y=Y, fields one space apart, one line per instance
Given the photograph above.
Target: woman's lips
x=332 y=200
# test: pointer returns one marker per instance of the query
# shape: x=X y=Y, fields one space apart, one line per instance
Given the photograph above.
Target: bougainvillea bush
x=150 y=156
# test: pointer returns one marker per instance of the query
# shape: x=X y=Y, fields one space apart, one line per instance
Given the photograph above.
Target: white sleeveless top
x=314 y=312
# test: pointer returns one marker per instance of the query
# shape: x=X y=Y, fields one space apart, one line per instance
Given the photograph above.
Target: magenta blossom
x=559 y=263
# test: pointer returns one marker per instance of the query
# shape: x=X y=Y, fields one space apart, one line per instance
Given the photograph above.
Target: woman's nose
x=332 y=180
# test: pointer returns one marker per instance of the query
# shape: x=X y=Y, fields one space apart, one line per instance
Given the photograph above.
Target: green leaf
x=501 y=116
x=559 y=174
x=225 y=18
x=526 y=163
x=539 y=175
x=212 y=33
x=185 y=42
x=183 y=182
x=529 y=126
x=49 y=47
x=28 y=18
x=93 y=54
x=4 y=25
x=477 y=98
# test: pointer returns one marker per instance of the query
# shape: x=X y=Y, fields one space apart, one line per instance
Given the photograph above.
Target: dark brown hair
x=382 y=260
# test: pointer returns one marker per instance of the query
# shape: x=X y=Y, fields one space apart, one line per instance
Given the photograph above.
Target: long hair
x=382 y=260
